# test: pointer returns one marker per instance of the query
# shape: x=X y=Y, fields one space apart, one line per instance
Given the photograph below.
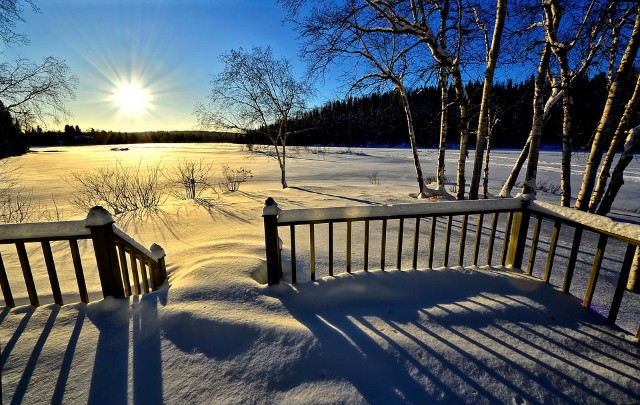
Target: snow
x=61 y=229
x=132 y=242
x=98 y=216
x=214 y=334
x=625 y=231
x=400 y=210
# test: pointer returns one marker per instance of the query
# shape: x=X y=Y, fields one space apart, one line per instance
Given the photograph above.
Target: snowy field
x=215 y=334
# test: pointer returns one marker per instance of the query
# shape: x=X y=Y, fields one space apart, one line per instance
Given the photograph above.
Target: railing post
x=100 y=223
x=158 y=254
x=270 y=213
x=518 y=237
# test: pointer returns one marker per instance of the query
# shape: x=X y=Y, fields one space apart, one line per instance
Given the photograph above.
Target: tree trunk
x=283 y=163
x=515 y=171
x=412 y=139
x=462 y=99
x=631 y=145
x=485 y=180
x=623 y=125
x=567 y=137
x=442 y=146
x=531 y=174
x=603 y=130
x=492 y=59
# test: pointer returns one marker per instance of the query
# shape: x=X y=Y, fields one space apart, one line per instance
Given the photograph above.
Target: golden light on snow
x=131 y=98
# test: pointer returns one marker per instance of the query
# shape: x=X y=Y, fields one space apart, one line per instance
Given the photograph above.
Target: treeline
x=379 y=119
x=73 y=135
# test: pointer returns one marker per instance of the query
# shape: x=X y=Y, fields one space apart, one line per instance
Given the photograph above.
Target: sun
x=131 y=98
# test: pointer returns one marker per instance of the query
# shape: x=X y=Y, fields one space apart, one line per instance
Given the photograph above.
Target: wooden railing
x=111 y=247
x=510 y=220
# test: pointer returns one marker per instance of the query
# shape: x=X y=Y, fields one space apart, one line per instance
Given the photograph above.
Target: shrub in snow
x=373 y=178
x=17 y=204
x=193 y=176
x=232 y=178
x=119 y=188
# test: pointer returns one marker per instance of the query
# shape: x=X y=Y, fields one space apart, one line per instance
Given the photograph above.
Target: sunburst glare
x=131 y=98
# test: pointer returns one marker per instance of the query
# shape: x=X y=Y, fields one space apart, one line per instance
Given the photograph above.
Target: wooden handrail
x=518 y=222
x=113 y=268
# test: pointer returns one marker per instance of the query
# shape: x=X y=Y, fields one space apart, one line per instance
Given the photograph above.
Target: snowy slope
x=216 y=335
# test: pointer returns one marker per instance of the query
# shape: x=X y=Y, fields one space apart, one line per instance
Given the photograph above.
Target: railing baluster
x=416 y=237
x=400 y=237
x=28 y=276
x=77 y=266
x=312 y=250
x=492 y=238
x=447 y=240
x=463 y=239
x=534 y=244
x=552 y=250
x=125 y=270
x=573 y=257
x=476 y=246
x=507 y=237
x=623 y=278
x=292 y=228
x=134 y=273
x=383 y=244
x=348 y=246
x=51 y=271
x=331 y=249
x=366 y=245
x=432 y=240
x=595 y=270
x=4 y=285
x=152 y=280
x=143 y=274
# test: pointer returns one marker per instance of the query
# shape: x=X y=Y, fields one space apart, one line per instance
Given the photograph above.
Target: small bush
x=193 y=176
x=232 y=178
x=373 y=178
x=545 y=186
x=118 y=188
x=432 y=179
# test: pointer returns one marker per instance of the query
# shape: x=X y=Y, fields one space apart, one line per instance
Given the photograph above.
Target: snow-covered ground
x=214 y=334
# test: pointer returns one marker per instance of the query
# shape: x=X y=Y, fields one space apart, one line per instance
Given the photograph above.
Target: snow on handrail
x=133 y=243
x=44 y=230
x=287 y=217
x=621 y=230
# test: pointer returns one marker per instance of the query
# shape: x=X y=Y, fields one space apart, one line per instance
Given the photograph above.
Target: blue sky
x=169 y=48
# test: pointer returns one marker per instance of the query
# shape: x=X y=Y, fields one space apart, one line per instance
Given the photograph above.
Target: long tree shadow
x=430 y=339
x=358 y=200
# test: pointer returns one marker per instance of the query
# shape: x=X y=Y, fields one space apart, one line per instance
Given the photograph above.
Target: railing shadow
x=126 y=327
x=432 y=340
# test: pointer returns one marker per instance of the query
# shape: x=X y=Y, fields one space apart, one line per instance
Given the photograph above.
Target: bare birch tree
x=32 y=92
x=255 y=93
x=631 y=146
x=530 y=181
x=444 y=99
x=614 y=145
x=416 y=18
x=492 y=52
x=37 y=92
x=353 y=32
x=554 y=12
x=606 y=121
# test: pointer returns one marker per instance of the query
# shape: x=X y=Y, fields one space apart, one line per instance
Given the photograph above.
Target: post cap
x=157 y=252
x=98 y=216
x=270 y=207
